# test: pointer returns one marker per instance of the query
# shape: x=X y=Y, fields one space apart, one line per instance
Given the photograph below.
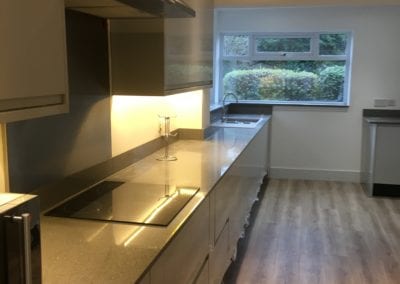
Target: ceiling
x=293 y=3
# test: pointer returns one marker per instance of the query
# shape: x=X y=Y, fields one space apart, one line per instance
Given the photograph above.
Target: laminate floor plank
x=320 y=232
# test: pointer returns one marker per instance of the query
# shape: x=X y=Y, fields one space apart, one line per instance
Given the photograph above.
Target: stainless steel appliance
x=20 y=258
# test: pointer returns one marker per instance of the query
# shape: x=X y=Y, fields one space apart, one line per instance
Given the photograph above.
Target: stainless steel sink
x=244 y=122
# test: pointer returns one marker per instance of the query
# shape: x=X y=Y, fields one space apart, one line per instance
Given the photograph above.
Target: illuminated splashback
x=134 y=119
x=3 y=160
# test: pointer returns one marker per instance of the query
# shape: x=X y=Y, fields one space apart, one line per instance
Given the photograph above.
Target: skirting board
x=315 y=174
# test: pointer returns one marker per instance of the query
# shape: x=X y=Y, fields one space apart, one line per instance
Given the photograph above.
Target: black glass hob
x=115 y=201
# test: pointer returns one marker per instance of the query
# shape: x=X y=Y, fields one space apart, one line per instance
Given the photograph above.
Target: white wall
x=325 y=143
x=292 y=3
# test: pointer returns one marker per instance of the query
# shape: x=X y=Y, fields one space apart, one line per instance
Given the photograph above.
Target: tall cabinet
x=33 y=69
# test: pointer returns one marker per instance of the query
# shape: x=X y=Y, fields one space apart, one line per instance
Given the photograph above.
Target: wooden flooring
x=320 y=232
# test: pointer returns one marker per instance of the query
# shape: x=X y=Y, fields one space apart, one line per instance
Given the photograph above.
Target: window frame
x=314 y=55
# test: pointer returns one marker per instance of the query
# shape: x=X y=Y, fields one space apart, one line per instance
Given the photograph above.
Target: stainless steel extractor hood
x=113 y=9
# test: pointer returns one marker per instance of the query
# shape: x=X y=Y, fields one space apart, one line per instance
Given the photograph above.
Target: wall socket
x=384 y=102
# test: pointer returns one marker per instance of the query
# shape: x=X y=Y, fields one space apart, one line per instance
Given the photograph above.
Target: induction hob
x=115 y=201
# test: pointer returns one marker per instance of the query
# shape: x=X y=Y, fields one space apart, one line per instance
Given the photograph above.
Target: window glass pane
x=278 y=44
x=332 y=44
x=236 y=45
x=321 y=81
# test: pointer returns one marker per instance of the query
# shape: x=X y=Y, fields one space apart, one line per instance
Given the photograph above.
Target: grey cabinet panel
x=154 y=56
x=33 y=77
x=387 y=155
x=380 y=162
x=183 y=259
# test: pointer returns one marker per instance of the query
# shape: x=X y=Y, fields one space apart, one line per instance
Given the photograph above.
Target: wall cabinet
x=33 y=69
x=155 y=56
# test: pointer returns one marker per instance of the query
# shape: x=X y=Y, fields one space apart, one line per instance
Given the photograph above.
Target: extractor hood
x=114 y=9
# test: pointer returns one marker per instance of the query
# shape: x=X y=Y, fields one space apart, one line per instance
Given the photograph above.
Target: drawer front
x=183 y=259
x=220 y=257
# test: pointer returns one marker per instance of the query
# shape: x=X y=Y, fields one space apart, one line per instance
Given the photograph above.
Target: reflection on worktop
x=115 y=201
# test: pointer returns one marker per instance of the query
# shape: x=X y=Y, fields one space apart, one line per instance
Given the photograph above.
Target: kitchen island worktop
x=87 y=251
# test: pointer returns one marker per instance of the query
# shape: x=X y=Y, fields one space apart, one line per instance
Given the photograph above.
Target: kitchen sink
x=244 y=122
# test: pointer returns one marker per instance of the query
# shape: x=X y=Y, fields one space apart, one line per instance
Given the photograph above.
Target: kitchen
x=61 y=149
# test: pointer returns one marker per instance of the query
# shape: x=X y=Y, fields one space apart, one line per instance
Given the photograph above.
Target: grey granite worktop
x=382 y=116
x=83 y=251
x=383 y=120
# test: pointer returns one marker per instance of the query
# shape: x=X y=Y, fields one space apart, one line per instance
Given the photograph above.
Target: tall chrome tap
x=228 y=94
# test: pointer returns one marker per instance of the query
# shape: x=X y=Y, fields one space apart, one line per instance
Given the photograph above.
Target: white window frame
x=314 y=55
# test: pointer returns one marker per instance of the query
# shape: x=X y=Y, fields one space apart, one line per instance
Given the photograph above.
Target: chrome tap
x=223 y=103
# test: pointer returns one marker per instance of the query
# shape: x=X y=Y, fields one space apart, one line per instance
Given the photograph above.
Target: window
x=306 y=68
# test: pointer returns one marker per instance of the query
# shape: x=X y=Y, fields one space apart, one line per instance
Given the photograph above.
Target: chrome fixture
x=165 y=131
x=224 y=106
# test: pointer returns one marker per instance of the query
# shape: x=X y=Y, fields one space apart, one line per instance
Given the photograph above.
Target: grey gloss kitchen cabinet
x=380 y=171
x=232 y=199
x=185 y=259
x=203 y=249
x=162 y=56
x=33 y=70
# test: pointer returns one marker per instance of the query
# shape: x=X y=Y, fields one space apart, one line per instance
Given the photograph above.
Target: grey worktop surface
x=383 y=120
x=382 y=115
x=83 y=251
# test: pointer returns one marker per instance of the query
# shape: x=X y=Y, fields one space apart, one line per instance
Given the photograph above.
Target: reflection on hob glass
x=114 y=201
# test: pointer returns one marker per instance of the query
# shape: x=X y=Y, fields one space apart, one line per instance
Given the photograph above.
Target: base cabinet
x=205 y=247
x=202 y=277
x=220 y=256
x=380 y=159
x=232 y=200
x=183 y=259
x=145 y=279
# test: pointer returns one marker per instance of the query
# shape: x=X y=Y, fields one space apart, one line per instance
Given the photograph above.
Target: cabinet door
x=183 y=259
x=225 y=193
x=220 y=256
x=145 y=279
x=33 y=59
x=203 y=276
x=189 y=48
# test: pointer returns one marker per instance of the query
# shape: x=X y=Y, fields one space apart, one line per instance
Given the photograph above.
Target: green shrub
x=245 y=83
x=271 y=84
x=331 y=80
x=287 y=85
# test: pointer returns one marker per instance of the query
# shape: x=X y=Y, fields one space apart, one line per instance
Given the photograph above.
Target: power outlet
x=380 y=103
x=391 y=102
